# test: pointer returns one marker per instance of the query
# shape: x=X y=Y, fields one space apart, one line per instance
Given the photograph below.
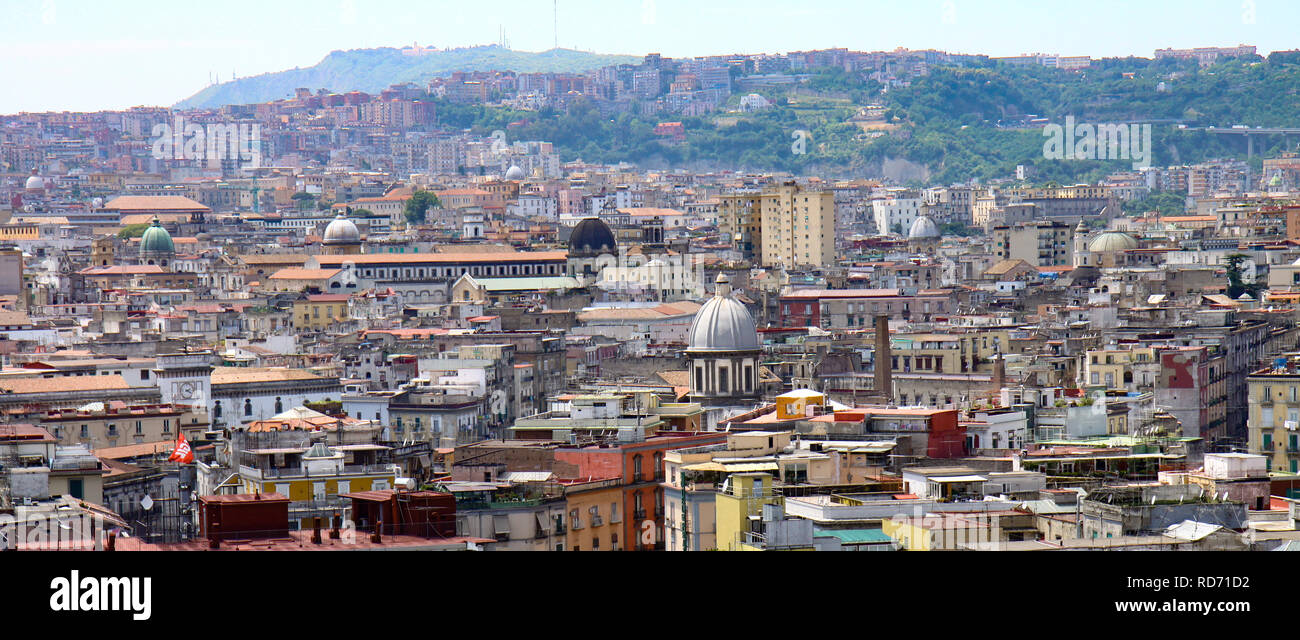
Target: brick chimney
x=999 y=372
x=884 y=361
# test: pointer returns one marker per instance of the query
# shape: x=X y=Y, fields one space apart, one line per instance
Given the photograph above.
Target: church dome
x=723 y=324
x=35 y=183
x=591 y=237
x=923 y=228
x=341 y=231
x=1111 y=241
x=515 y=173
x=156 y=240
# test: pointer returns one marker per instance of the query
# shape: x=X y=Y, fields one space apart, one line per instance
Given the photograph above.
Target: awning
x=704 y=466
x=501 y=524
x=959 y=479
x=543 y=522
x=753 y=466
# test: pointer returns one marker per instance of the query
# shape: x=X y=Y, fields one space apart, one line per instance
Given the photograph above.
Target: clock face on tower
x=186 y=390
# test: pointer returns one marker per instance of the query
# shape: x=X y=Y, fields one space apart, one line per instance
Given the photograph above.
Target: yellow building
x=946 y=352
x=739 y=504
x=1114 y=368
x=15 y=231
x=594 y=515
x=1274 y=419
x=785 y=225
x=320 y=311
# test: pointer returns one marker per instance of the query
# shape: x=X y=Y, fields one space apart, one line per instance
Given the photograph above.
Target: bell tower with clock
x=185 y=378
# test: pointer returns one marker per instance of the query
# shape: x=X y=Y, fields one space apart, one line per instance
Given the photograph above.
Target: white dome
x=36 y=183
x=924 y=227
x=723 y=324
x=341 y=231
x=514 y=173
x=1112 y=241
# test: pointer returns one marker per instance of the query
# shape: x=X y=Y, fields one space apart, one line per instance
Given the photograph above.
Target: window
x=139 y=427
x=636 y=468
x=248 y=408
x=85 y=431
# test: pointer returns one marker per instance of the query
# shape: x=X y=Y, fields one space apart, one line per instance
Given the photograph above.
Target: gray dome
x=341 y=231
x=514 y=173
x=35 y=183
x=723 y=324
x=1112 y=241
x=923 y=227
x=592 y=237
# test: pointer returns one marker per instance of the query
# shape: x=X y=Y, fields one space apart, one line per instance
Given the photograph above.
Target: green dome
x=156 y=240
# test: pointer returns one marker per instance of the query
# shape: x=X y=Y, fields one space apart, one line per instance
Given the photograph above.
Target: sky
x=85 y=55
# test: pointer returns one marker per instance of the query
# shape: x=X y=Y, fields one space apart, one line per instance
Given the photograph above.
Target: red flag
x=182 y=452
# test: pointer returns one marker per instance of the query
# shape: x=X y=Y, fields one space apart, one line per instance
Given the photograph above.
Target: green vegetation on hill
x=954 y=124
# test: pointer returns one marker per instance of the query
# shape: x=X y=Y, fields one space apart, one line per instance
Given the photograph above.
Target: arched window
x=279 y=406
x=248 y=407
x=636 y=468
x=216 y=410
x=659 y=465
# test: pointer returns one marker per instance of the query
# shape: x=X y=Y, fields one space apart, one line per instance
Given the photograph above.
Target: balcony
x=638 y=514
x=597 y=521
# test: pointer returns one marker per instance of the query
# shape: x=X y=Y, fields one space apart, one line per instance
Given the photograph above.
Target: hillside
x=372 y=70
x=952 y=125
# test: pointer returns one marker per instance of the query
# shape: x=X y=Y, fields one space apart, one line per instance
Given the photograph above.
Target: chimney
x=374 y=536
x=112 y=541
x=999 y=372
x=315 y=534
x=884 y=361
x=334 y=533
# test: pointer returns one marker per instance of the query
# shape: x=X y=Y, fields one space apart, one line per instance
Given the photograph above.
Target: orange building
x=639 y=466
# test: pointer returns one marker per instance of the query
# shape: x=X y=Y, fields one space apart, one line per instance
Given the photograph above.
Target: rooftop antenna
x=555 y=26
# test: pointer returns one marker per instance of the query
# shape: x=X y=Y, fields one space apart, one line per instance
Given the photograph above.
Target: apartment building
x=1274 y=419
x=1042 y=244
x=786 y=225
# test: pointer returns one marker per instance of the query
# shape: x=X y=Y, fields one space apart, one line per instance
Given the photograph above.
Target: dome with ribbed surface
x=341 y=231
x=922 y=228
x=156 y=241
x=1112 y=241
x=723 y=324
x=319 y=450
x=591 y=237
x=515 y=173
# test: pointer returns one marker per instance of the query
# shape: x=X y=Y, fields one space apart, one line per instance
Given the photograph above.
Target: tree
x=1236 y=286
x=304 y=200
x=418 y=206
x=133 y=231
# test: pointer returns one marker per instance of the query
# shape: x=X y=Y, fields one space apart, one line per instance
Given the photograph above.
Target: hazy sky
x=90 y=54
